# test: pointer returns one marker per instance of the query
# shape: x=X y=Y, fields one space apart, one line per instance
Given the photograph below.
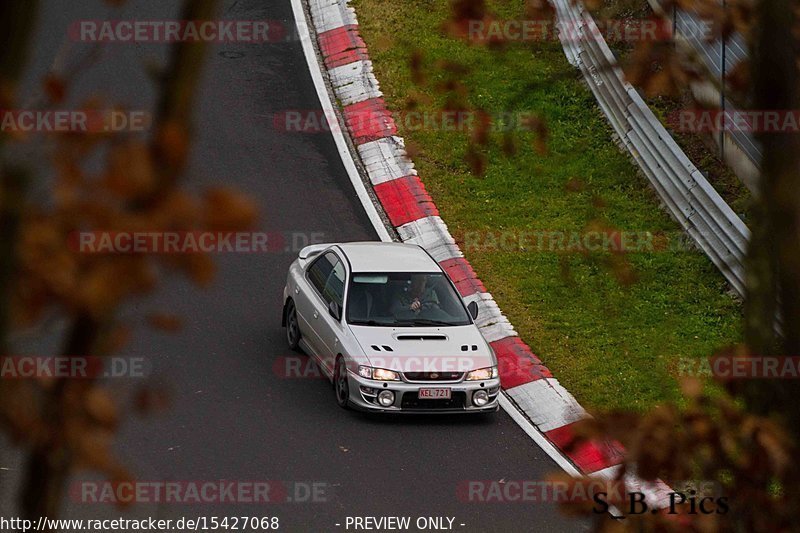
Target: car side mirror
x=473 y=310
x=335 y=310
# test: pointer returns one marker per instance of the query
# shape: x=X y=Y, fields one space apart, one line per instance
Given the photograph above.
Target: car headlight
x=380 y=374
x=482 y=373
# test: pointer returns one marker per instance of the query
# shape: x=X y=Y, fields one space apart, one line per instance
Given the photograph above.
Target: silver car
x=387 y=326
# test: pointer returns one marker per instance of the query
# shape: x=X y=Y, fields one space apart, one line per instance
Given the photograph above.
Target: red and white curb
x=533 y=397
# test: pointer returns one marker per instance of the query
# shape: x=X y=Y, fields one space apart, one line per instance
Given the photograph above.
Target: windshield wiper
x=372 y=323
x=424 y=322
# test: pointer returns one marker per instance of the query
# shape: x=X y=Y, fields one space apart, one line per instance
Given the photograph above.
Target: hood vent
x=378 y=348
x=421 y=337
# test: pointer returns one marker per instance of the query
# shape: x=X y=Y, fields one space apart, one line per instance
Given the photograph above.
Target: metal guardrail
x=718 y=57
x=688 y=196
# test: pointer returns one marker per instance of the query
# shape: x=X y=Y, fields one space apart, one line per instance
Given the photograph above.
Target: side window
x=320 y=270
x=334 y=287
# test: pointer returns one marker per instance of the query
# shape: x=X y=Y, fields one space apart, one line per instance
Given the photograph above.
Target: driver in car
x=418 y=295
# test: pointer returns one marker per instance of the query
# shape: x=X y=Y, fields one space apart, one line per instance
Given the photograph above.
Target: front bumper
x=406 y=399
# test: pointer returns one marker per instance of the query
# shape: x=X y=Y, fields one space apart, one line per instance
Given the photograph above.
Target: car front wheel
x=292 y=326
x=341 y=384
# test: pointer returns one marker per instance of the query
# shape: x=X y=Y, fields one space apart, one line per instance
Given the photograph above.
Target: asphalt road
x=232 y=416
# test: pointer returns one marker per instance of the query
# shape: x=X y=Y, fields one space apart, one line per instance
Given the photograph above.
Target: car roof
x=388 y=257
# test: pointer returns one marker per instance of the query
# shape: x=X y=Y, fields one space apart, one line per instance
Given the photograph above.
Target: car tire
x=292 y=326
x=341 y=384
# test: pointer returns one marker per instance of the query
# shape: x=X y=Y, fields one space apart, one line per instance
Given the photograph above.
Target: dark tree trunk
x=774 y=258
x=775 y=247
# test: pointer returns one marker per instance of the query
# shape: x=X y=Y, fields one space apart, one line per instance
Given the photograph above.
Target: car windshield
x=404 y=299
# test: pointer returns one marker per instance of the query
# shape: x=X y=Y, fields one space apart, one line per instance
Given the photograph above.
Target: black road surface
x=232 y=415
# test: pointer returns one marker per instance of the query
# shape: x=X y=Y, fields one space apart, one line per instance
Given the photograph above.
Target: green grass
x=612 y=342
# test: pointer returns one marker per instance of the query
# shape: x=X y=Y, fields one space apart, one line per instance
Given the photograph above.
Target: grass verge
x=611 y=326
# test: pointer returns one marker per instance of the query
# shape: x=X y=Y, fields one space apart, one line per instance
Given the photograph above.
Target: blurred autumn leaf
x=67 y=424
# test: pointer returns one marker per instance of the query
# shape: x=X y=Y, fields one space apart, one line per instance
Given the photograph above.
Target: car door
x=309 y=302
x=330 y=328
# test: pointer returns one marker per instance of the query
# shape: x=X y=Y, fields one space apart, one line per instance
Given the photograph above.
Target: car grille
x=411 y=400
x=433 y=376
